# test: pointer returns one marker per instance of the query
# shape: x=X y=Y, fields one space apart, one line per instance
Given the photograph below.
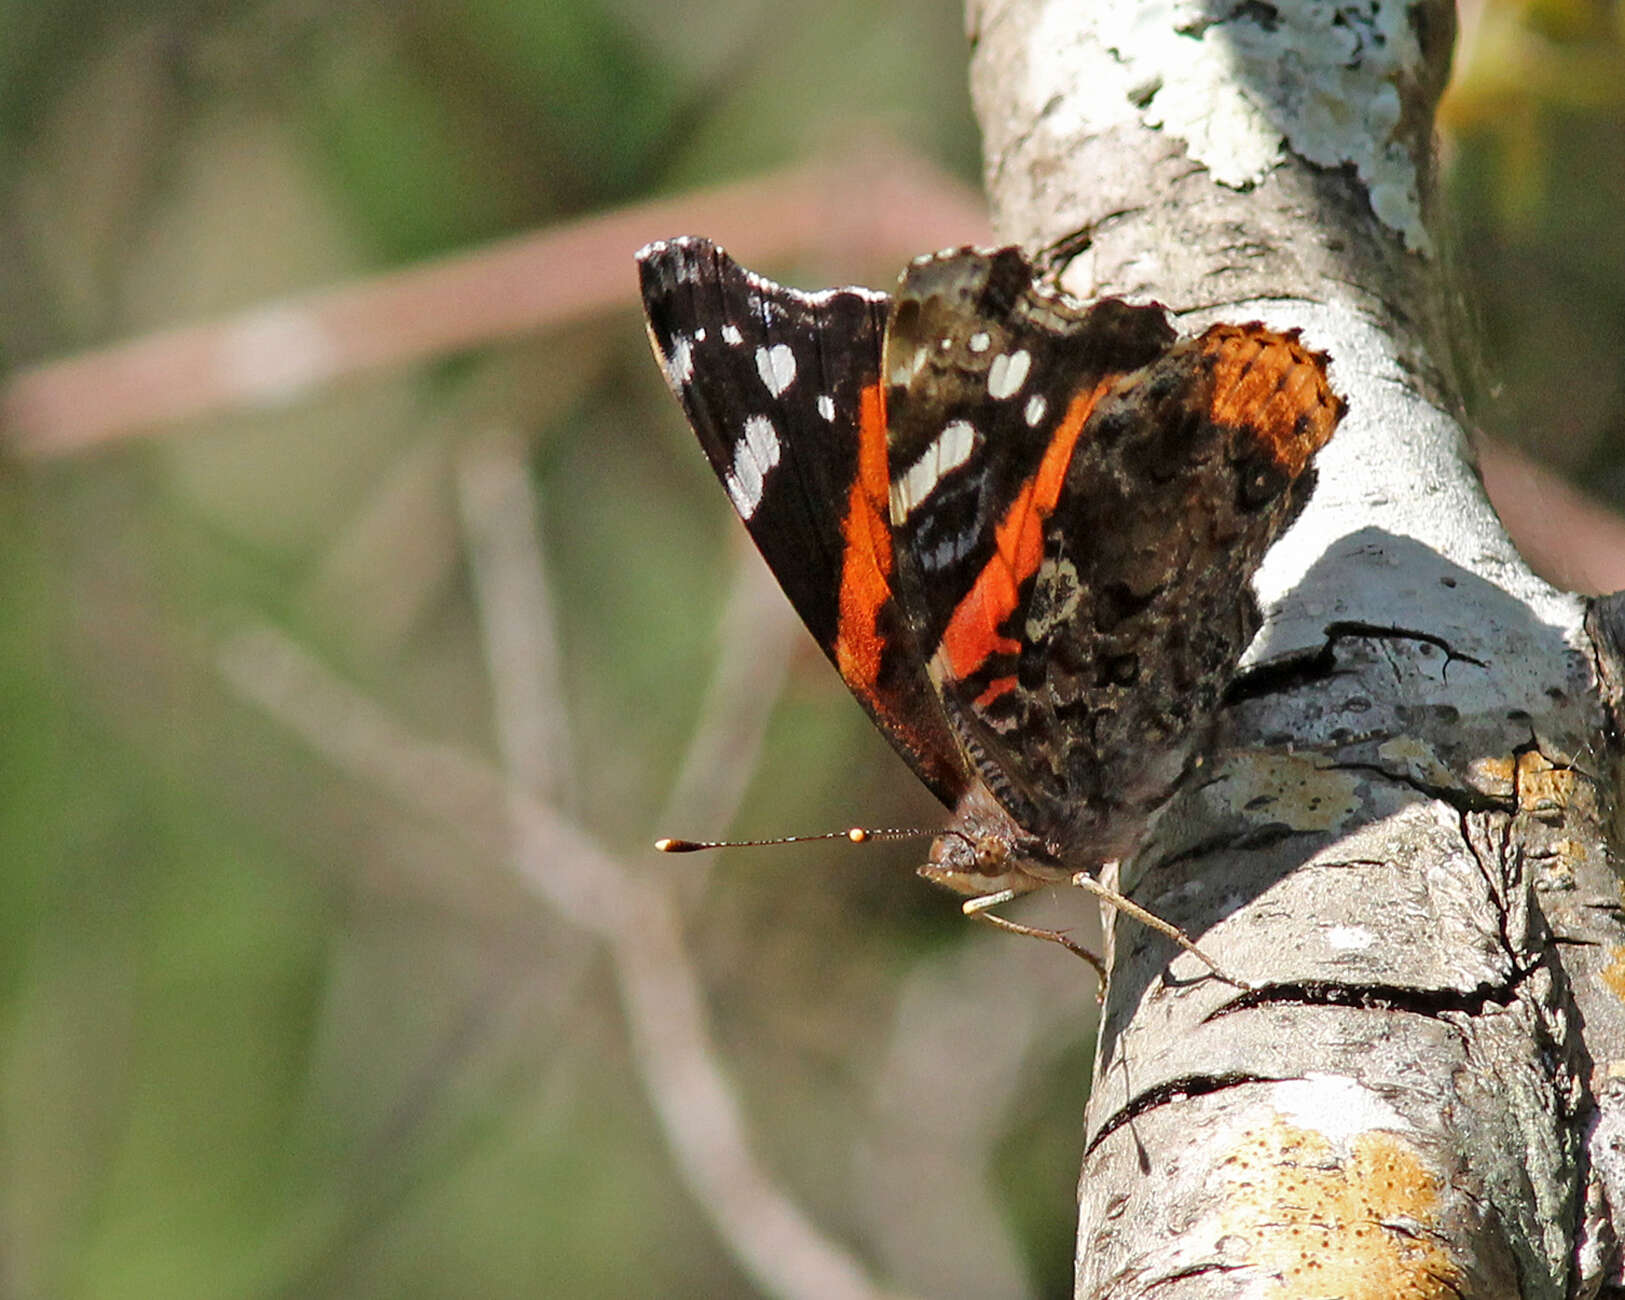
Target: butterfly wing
x=783 y=391
x=1079 y=501
x=993 y=382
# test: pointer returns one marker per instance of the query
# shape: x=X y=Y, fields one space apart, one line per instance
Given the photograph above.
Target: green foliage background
x=265 y=1031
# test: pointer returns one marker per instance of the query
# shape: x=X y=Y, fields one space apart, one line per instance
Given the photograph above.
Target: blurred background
x=369 y=610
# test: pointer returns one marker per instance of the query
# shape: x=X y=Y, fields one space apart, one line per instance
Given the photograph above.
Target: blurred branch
x=768 y=1233
x=927 y=1160
x=1568 y=537
x=546 y=280
x=755 y=639
x=502 y=533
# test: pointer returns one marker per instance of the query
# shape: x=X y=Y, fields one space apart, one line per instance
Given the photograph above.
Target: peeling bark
x=1404 y=836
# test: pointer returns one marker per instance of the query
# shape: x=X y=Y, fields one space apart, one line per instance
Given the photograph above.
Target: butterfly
x=1022 y=527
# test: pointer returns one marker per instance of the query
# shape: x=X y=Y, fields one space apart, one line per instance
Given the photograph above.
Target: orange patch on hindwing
x=1273 y=386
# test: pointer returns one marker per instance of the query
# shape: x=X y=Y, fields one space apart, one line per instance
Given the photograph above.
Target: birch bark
x=1404 y=836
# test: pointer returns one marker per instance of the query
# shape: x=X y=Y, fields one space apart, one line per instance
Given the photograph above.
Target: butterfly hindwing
x=1180 y=482
x=1079 y=500
x=783 y=391
x=993 y=379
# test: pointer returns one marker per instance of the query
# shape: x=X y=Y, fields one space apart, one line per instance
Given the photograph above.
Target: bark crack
x=1440 y=1004
x=1434 y=1004
x=1312 y=667
x=1180 y=1089
x=1464 y=799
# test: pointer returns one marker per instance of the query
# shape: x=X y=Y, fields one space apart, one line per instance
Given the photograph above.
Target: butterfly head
x=985 y=850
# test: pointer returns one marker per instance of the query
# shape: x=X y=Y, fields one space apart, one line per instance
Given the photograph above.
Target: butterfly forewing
x=783 y=391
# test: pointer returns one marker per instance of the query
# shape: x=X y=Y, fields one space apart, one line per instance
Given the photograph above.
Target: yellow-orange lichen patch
x=1418 y=760
x=1543 y=789
x=1357 y=1222
x=1495 y=776
x=1289 y=788
x=1613 y=974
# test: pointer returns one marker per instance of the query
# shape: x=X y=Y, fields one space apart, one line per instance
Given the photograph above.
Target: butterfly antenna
x=854 y=834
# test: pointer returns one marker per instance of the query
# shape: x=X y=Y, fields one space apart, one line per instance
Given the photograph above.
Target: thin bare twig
x=502 y=532
x=774 y=1241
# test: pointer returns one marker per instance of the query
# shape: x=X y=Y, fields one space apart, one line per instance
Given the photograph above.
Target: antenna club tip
x=858 y=835
x=668 y=845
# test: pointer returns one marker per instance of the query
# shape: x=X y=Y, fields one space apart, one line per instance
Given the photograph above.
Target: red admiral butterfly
x=1022 y=528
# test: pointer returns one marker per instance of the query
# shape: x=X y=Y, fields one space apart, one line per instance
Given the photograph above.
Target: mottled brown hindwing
x=1085 y=576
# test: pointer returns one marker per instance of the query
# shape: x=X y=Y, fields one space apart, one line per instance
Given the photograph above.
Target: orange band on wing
x=866 y=563
x=972 y=635
x=996 y=689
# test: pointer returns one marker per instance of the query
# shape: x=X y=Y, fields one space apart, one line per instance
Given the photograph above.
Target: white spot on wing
x=951 y=449
x=1036 y=406
x=777 y=367
x=1056 y=594
x=1008 y=373
x=980 y=341
x=680 y=361
x=755 y=455
x=948 y=551
x=826 y=406
x=732 y=336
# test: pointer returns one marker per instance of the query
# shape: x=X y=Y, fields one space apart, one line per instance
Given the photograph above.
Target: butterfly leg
x=1083 y=880
x=977 y=910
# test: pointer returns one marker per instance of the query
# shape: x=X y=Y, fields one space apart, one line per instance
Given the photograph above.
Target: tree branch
x=1401 y=838
x=548 y=279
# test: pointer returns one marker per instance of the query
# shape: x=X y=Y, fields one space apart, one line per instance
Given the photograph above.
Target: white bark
x=1401 y=838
